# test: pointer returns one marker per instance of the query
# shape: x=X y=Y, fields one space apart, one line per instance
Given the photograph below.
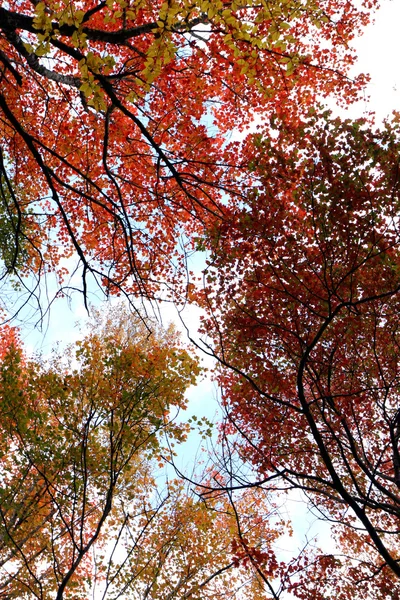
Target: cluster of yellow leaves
x=78 y=435
x=247 y=27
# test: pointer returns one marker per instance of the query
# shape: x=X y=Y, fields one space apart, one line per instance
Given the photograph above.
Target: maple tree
x=303 y=292
x=77 y=439
x=115 y=151
x=191 y=549
x=114 y=117
x=82 y=510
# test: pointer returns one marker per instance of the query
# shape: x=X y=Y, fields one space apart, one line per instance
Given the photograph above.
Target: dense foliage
x=85 y=507
x=304 y=288
x=114 y=118
x=127 y=145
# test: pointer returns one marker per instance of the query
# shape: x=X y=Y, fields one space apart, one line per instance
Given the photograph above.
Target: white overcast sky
x=378 y=54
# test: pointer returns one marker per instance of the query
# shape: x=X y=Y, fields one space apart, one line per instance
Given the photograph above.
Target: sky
x=378 y=54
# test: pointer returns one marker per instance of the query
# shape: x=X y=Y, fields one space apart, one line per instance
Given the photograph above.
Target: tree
x=303 y=289
x=83 y=508
x=78 y=437
x=114 y=117
x=19 y=230
x=195 y=549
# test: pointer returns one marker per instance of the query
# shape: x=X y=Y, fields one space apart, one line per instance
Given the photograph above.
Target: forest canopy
x=115 y=118
x=135 y=138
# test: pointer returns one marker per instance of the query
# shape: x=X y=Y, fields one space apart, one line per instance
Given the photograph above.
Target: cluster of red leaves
x=303 y=290
x=107 y=127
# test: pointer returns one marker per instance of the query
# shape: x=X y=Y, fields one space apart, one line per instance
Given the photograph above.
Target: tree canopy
x=303 y=291
x=134 y=134
x=86 y=509
x=115 y=117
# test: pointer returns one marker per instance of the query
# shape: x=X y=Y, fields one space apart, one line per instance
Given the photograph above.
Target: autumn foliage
x=303 y=291
x=86 y=506
x=74 y=438
x=133 y=135
x=115 y=115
